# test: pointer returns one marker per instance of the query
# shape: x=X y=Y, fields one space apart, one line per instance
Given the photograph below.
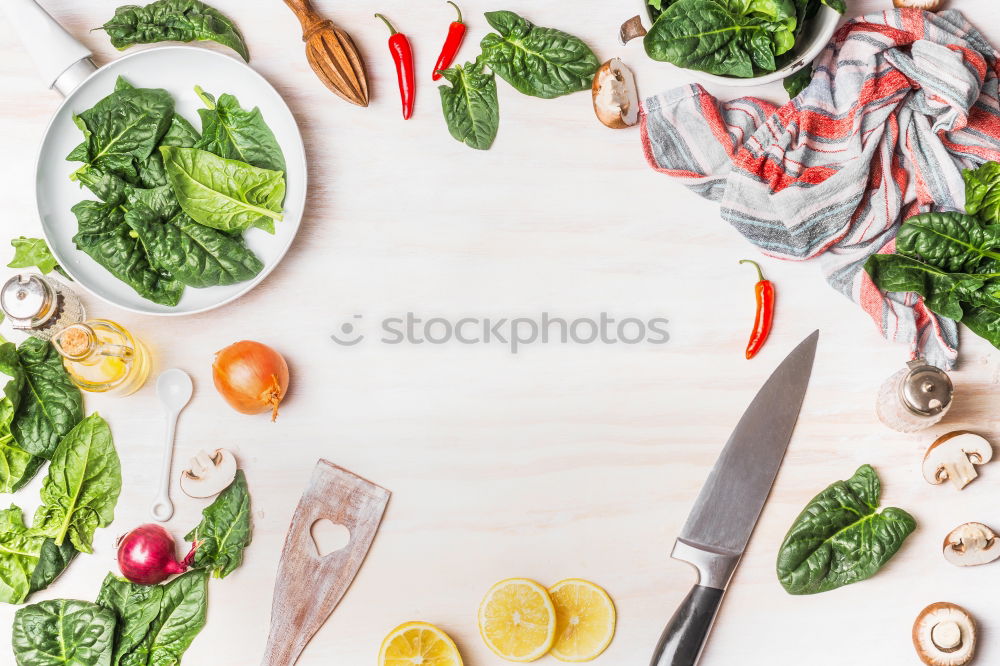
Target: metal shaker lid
x=27 y=299
x=925 y=390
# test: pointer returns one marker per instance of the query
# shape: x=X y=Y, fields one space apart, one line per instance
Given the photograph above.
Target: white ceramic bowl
x=815 y=38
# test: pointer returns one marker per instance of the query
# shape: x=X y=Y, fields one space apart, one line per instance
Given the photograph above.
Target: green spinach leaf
x=542 y=62
x=124 y=128
x=224 y=530
x=740 y=38
x=942 y=291
x=18 y=556
x=230 y=131
x=175 y=21
x=104 y=235
x=34 y=252
x=798 y=81
x=113 y=189
x=157 y=626
x=81 y=490
x=135 y=606
x=52 y=561
x=953 y=242
x=983 y=319
x=17 y=466
x=705 y=35
x=952 y=260
x=841 y=537
x=181 y=133
x=470 y=105
x=159 y=200
x=221 y=193
x=982 y=192
x=28 y=563
x=63 y=631
x=51 y=404
x=105 y=185
x=192 y=253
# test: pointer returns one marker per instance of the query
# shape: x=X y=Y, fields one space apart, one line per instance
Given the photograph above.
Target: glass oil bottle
x=102 y=356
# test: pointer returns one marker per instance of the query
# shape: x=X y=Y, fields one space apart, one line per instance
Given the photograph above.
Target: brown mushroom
x=926 y=5
x=631 y=29
x=944 y=634
x=954 y=456
x=209 y=474
x=971 y=544
x=616 y=98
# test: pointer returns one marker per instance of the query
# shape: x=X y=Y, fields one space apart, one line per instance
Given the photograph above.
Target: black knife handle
x=684 y=638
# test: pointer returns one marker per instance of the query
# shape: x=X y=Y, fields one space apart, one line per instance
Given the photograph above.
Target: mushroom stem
x=947 y=636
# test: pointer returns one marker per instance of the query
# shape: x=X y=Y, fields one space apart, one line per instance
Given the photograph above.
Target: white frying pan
x=65 y=66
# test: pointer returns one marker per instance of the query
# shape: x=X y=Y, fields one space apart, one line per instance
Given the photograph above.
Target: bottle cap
x=75 y=341
x=28 y=300
x=925 y=390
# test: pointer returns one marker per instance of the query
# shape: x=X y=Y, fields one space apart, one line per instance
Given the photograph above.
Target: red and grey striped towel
x=900 y=103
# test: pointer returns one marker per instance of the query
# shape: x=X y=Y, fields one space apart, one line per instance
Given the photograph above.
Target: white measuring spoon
x=174 y=388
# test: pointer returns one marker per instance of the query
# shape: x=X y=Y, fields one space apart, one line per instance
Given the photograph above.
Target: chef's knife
x=723 y=517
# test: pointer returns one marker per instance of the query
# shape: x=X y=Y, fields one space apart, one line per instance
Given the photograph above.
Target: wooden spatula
x=332 y=54
x=309 y=586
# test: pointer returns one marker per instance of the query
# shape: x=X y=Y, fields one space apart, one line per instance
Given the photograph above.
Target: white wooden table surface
x=556 y=462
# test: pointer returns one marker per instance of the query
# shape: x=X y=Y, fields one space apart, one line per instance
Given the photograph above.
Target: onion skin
x=146 y=555
x=252 y=377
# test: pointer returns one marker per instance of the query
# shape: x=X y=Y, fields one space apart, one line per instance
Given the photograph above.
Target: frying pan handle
x=62 y=61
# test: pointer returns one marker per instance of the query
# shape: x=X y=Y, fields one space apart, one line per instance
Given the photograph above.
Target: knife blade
x=726 y=511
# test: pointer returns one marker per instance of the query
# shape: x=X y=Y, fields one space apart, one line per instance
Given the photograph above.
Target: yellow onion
x=251 y=376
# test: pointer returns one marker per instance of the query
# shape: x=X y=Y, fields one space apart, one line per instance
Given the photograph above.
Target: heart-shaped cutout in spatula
x=329 y=537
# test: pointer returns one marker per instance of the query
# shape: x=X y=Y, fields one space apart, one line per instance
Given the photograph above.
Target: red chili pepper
x=456 y=33
x=764 y=290
x=402 y=55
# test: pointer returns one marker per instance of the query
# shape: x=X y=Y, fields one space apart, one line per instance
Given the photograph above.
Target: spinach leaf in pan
x=230 y=131
x=192 y=253
x=104 y=235
x=224 y=194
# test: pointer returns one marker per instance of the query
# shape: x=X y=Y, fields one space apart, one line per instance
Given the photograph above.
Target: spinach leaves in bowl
x=734 y=38
x=174 y=203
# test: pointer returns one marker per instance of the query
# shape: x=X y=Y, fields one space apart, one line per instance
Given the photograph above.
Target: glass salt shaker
x=916 y=397
x=40 y=306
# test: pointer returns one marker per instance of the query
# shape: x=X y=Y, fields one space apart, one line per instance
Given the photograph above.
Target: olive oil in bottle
x=102 y=356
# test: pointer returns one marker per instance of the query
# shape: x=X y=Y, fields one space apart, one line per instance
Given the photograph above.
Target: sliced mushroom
x=616 y=98
x=631 y=29
x=209 y=474
x=944 y=634
x=971 y=544
x=926 y=5
x=954 y=457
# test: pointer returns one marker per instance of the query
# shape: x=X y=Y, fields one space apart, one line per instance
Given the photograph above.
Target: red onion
x=146 y=555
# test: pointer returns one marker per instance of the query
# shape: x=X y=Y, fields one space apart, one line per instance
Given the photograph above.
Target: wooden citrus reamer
x=332 y=54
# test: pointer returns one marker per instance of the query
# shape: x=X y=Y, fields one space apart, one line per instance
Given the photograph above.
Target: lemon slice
x=517 y=620
x=418 y=644
x=585 y=620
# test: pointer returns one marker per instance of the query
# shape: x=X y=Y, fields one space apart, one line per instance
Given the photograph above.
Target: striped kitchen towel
x=900 y=103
